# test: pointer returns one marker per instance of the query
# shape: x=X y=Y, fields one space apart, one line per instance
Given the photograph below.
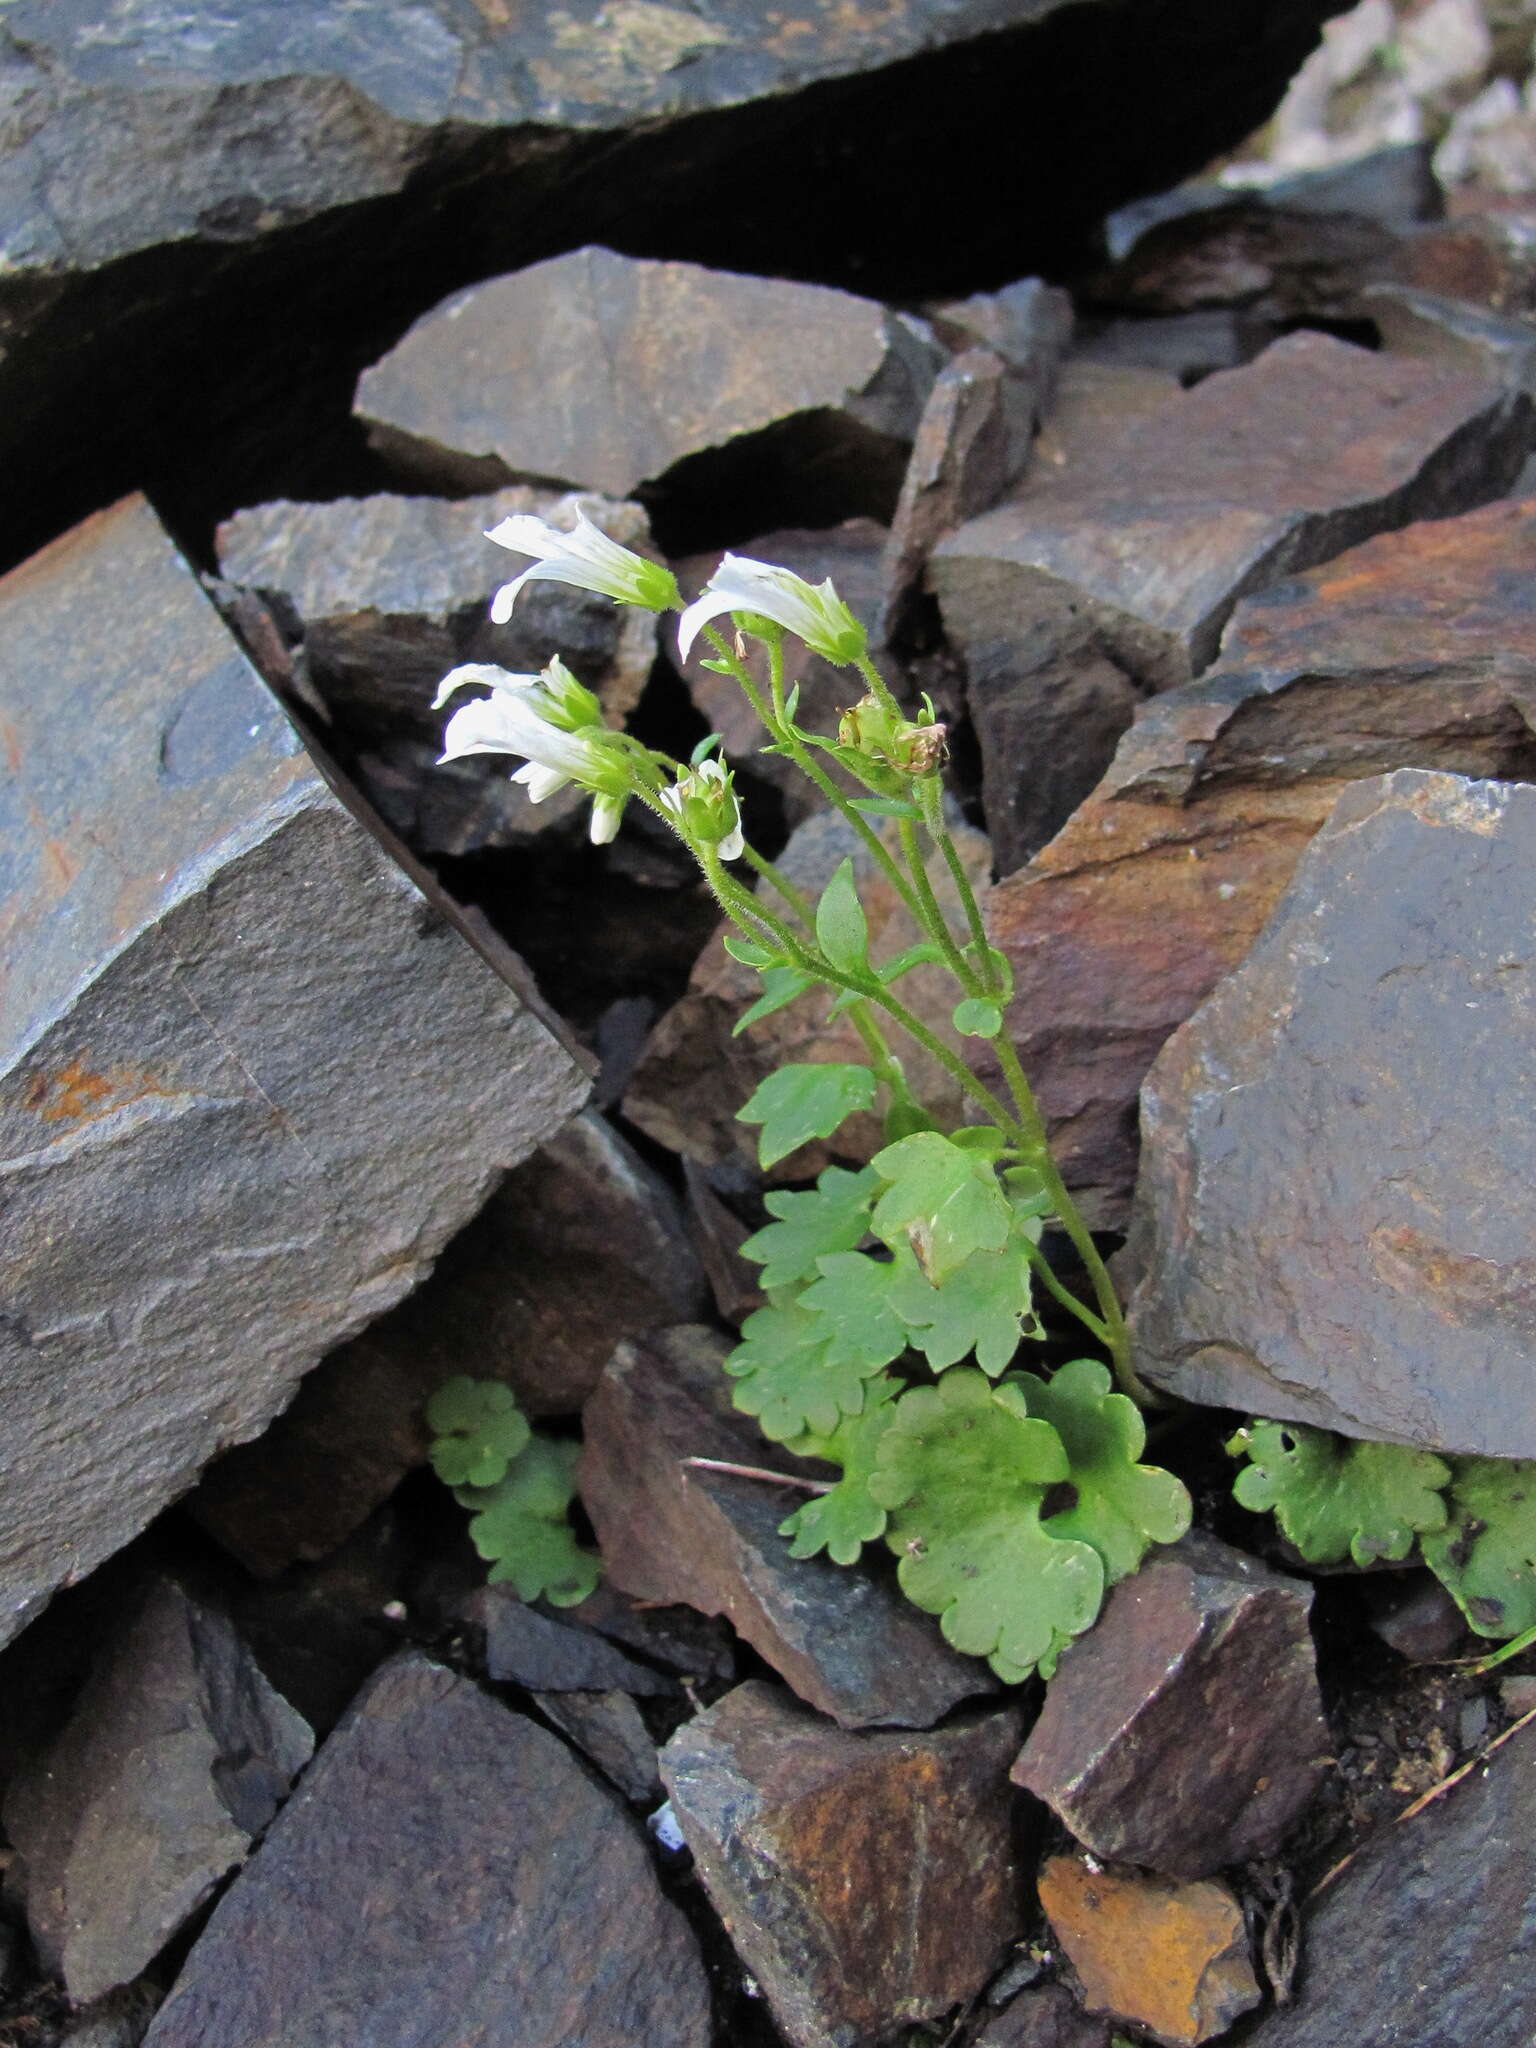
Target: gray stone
x=252 y=1080
x=867 y=1879
x=446 y=1872
x=1188 y=346
x=1028 y=324
x=1414 y=1615
x=176 y=1755
x=120 y=2020
x=581 y=1245
x=392 y=593
x=1185 y=1731
x=1048 y=2018
x=695 y=1645
x=1421 y=1940
x=1449 y=331
x=1114 y=579
x=524 y=1647
x=846 y=1641
x=608 y=1730
x=1334 y=1231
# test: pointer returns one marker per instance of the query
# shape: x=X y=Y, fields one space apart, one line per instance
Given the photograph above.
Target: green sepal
x=704 y=749
x=941 y=1199
x=803 y=1101
x=1336 y=1498
x=843 y=1521
x=1485 y=1556
x=477 y=1431
x=831 y=1217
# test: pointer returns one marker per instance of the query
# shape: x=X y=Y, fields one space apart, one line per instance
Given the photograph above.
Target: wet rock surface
x=1414 y=649
x=1185 y=1731
x=464 y=1859
x=837 y=1859
x=195 y=928
x=1172 y=1958
x=1355 y=1052
x=175 y=1758
x=846 y=1642
x=1086 y=592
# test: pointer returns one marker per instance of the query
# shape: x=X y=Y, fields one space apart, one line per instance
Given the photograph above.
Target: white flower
x=585 y=558
x=703 y=800
x=814 y=613
x=553 y=723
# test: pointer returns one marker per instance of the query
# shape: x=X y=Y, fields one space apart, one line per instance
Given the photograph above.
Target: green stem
x=931 y=800
x=1064 y=1295
x=777 y=879
x=934 y=921
x=879 y=688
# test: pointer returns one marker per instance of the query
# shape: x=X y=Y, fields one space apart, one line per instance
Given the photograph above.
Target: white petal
x=506 y=597
x=481 y=727
x=526 y=535
x=540 y=782
x=701 y=611
x=674 y=799
x=607 y=812
x=732 y=846
x=483 y=675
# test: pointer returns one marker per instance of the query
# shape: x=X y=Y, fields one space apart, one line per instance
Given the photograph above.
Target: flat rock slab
x=1416 y=649
x=176 y=1755
x=250 y=1080
x=1424 y=1936
x=1335 y=1205
x=1084 y=592
x=1172 y=1958
x=524 y=1647
x=1185 y=1731
x=1048 y=2018
x=446 y=1872
x=866 y=1879
x=845 y=1640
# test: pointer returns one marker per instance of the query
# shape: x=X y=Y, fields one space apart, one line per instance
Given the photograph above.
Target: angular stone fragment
x=846 y=1640
x=1048 y=2018
x=1334 y=1232
x=1413 y=650
x=252 y=1081
x=710 y=361
x=1087 y=591
x=695 y=1074
x=865 y=1879
x=477 y=1884
x=1189 y=346
x=1414 y=1615
x=524 y=1647
x=608 y=1730
x=392 y=593
x=696 y=1645
x=1172 y=1958
x=1450 y=331
x=1422 y=1938
x=1185 y=1731
x=581 y=1245
x=1487 y=258
x=175 y=1756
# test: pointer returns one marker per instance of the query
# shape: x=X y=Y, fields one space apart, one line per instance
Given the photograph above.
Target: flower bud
x=910 y=746
x=703 y=800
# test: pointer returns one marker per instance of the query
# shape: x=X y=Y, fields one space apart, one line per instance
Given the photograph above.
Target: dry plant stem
x=762 y=1472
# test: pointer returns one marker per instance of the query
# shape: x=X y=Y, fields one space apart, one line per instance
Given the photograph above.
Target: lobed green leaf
x=781 y=985
x=1485 y=1555
x=843 y=1521
x=1336 y=1498
x=800 y=1102
x=786 y=1379
x=477 y=1430
x=852 y=1303
x=520 y=1525
x=941 y=1199
x=831 y=1217
x=982 y=1305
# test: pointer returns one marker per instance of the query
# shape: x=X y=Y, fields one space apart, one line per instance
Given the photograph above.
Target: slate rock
x=1185 y=1731
x=393 y=592
x=695 y=1074
x=608 y=1730
x=700 y=362
x=1450 y=331
x=580 y=1245
x=1486 y=258
x=1170 y=1958
x=1415 y=649
x=1082 y=594
x=253 y=1081
x=866 y=1879
x=718 y=1234
x=524 y=1647
x=846 y=1641
x=175 y=1757
x=1027 y=323
x=477 y=1883
x=1047 y=2018
x=120 y=2020
x=1414 y=1615
x=1321 y=1128
x=697 y=1646
x=1420 y=1939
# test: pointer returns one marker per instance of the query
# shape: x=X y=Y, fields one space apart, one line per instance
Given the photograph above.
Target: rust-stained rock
x=866 y=1879
x=1171 y=1958
x=391 y=593
x=1335 y=1204
x=694 y=1075
x=846 y=1640
x=1416 y=649
x=1185 y=1731
x=251 y=1079
x=1486 y=258
x=786 y=378
x=1092 y=588
x=581 y=1245
x=1450 y=331
x=446 y=1871
x=1048 y=2018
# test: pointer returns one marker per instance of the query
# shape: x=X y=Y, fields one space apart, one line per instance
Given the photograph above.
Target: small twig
x=761 y=1472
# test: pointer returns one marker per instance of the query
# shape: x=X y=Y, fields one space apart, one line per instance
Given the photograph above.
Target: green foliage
x=477 y=1430
x=800 y=1102
x=983 y=1305
x=964 y=1472
x=942 y=1199
x=842 y=932
x=853 y=1305
x=1485 y=1555
x=1336 y=1498
x=1121 y=1507
x=843 y=1521
x=521 y=1526
x=785 y=1378
x=832 y=1217
x=977 y=1018
x=781 y=986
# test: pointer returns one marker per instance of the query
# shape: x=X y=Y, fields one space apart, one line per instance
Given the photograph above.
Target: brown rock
x=1089 y=590
x=1334 y=1230
x=846 y=1640
x=1450 y=331
x=1414 y=1615
x=608 y=1730
x=1188 y=346
x=1487 y=258
x=866 y=1879
x=473 y=1883
x=1411 y=650
x=718 y=1235
x=1028 y=324
x=700 y=362
x=1185 y=1731
x=524 y=1647
x=579 y=1246
x=1047 y=2018
x=392 y=592
x=695 y=1075
x=1172 y=1958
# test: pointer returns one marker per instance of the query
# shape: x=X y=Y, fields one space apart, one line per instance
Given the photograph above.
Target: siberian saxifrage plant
x=899 y=1295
